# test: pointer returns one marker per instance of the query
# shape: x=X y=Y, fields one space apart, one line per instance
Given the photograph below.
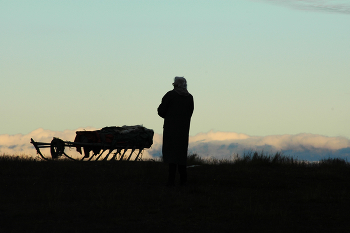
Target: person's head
x=180 y=82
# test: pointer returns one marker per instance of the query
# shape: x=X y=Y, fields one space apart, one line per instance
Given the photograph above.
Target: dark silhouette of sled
x=112 y=139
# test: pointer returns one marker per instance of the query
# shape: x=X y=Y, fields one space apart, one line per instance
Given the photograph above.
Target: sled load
x=111 y=139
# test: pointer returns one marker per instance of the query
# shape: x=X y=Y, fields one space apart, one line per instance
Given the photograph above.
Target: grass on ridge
x=255 y=192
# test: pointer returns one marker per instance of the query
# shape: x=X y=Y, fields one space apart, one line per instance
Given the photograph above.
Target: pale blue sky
x=253 y=67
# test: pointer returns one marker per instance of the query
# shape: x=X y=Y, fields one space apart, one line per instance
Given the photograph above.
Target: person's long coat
x=177 y=111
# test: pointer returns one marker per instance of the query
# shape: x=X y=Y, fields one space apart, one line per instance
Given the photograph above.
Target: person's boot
x=183 y=175
x=172 y=173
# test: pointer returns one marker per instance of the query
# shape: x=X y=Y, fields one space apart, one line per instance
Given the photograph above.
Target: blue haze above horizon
x=253 y=67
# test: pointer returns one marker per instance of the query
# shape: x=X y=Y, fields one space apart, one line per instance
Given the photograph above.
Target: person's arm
x=163 y=107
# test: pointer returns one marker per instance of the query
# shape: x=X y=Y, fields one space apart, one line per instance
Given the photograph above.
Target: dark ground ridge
x=254 y=193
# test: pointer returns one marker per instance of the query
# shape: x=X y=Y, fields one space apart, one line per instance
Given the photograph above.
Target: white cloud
x=300 y=141
x=334 y=6
x=211 y=144
x=19 y=144
x=223 y=145
x=217 y=136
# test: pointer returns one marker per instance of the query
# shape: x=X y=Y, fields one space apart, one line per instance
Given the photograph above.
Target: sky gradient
x=257 y=68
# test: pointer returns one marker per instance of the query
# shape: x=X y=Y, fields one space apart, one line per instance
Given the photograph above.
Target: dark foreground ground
x=246 y=196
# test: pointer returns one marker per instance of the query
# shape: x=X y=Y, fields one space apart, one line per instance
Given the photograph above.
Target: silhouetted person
x=176 y=109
